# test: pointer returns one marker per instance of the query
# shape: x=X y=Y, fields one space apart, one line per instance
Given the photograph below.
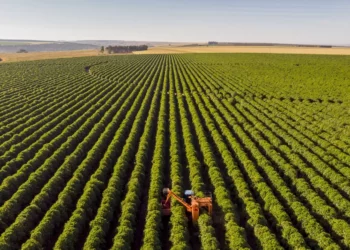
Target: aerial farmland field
x=88 y=144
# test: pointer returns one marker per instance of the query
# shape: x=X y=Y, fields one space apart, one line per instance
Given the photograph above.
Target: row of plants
x=300 y=112
x=330 y=175
x=315 y=179
x=331 y=154
x=179 y=234
x=256 y=221
x=53 y=87
x=298 y=116
x=235 y=234
x=251 y=147
x=334 y=156
x=86 y=180
x=22 y=157
x=335 y=178
x=112 y=196
x=131 y=204
x=207 y=232
x=51 y=180
x=23 y=95
x=83 y=87
x=86 y=145
x=112 y=68
x=314 y=123
x=330 y=218
x=52 y=150
x=35 y=132
x=29 y=109
x=153 y=223
x=92 y=109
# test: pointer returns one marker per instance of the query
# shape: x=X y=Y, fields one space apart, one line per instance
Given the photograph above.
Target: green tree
x=22 y=51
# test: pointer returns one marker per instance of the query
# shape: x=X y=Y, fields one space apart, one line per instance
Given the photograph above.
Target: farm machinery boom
x=192 y=203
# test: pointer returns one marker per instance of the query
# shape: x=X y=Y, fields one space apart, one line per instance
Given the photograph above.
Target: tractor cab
x=187 y=196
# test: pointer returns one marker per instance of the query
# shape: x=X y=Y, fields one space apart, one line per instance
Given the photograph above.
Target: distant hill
x=22 y=42
x=269 y=44
x=12 y=46
x=126 y=43
x=272 y=44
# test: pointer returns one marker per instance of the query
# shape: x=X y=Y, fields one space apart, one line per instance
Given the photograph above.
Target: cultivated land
x=245 y=49
x=87 y=145
x=15 y=57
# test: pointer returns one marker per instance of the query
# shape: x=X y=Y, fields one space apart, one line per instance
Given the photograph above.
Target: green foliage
x=87 y=144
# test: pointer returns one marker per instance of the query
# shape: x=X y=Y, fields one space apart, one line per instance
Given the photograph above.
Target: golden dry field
x=245 y=49
x=31 y=56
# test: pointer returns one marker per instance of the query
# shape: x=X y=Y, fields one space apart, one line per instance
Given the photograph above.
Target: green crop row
x=88 y=144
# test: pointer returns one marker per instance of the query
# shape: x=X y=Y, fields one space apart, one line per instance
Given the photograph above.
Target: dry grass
x=17 y=57
x=246 y=49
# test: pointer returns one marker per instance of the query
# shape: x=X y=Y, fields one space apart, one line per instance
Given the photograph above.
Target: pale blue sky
x=307 y=21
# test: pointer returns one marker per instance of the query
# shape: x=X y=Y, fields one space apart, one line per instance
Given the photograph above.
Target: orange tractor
x=192 y=203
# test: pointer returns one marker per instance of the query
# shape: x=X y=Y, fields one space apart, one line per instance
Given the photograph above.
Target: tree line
x=123 y=49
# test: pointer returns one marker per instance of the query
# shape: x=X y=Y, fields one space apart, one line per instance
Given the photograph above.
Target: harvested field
x=18 y=57
x=32 y=56
x=246 y=49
